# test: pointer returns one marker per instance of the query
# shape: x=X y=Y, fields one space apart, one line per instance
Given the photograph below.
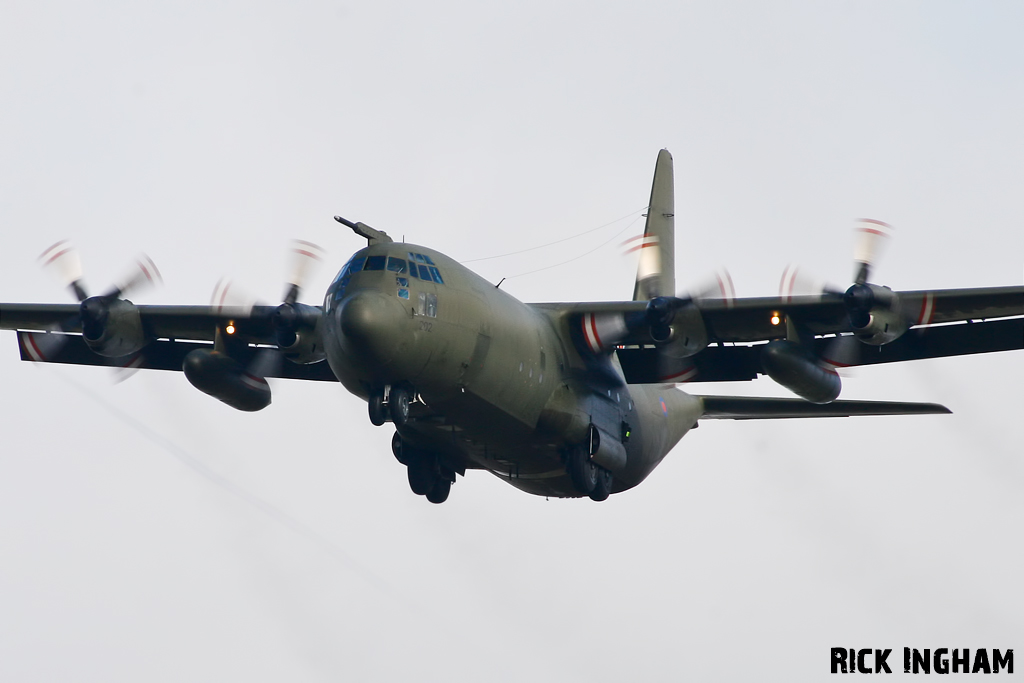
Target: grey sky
x=207 y=134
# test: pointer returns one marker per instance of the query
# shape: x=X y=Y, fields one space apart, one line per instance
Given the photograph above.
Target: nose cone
x=372 y=326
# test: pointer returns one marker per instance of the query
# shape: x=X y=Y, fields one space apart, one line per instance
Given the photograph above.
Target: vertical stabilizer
x=656 y=274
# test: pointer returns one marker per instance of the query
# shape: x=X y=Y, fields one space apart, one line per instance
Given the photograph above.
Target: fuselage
x=499 y=384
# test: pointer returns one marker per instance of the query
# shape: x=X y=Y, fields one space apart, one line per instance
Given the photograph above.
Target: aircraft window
x=418 y=258
x=403 y=293
x=436 y=275
x=402 y=281
x=374 y=263
x=426 y=259
x=424 y=273
x=427 y=305
x=396 y=265
x=356 y=264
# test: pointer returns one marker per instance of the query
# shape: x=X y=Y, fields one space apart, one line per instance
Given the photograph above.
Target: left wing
x=717 y=340
x=738 y=362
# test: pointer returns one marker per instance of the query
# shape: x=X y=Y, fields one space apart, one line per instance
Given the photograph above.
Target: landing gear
x=427 y=476
x=396 y=408
x=421 y=479
x=377 y=409
x=603 y=486
x=586 y=477
x=582 y=471
x=397 y=448
x=439 y=493
x=398 y=405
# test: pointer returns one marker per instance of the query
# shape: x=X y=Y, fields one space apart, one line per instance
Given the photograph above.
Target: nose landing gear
x=390 y=404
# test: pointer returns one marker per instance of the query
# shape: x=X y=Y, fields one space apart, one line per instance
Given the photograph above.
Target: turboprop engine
x=875 y=313
x=111 y=326
x=797 y=369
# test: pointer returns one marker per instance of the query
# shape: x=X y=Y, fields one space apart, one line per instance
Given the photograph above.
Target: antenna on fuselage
x=363 y=230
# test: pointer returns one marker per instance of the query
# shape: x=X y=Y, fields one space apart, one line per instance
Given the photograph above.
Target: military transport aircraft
x=558 y=399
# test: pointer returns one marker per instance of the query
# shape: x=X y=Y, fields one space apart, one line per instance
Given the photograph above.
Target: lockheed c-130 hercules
x=557 y=399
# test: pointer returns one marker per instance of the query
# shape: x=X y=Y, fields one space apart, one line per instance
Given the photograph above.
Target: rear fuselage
x=500 y=384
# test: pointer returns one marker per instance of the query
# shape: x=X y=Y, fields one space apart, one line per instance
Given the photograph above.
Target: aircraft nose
x=371 y=323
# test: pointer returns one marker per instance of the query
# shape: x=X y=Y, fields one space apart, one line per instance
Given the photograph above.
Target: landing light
x=230 y=329
x=775 y=318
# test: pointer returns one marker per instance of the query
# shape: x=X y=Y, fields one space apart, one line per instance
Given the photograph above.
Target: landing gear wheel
x=439 y=493
x=398 y=448
x=378 y=414
x=398 y=405
x=603 y=486
x=582 y=471
x=421 y=479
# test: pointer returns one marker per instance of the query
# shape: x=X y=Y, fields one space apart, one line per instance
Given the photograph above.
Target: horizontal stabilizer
x=755 y=408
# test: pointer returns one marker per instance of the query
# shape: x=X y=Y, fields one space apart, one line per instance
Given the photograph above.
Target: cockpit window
x=396 y=265
x=356 y=265
x=337 y=289
x=435 y=274
x=425 y=273
x=374 y=263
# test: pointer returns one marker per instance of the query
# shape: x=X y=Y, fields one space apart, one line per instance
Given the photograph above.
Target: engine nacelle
x=876 y=314
x=298 y=338
x=796 y=368
x=112 y=328
x=224 y=378
x=884 y=325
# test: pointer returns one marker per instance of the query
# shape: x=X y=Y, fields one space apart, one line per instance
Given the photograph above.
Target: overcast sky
x=149 y=532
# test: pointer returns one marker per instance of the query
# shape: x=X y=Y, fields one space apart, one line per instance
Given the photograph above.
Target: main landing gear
x=587 y=478
x=427 y=476
x=395 y=408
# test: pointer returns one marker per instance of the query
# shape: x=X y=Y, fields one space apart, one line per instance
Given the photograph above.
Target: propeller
x=877 y=314
x=870 y=239
x=287 y=318
x=63 y=260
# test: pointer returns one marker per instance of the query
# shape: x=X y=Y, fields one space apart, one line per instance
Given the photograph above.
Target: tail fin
x=656 y=274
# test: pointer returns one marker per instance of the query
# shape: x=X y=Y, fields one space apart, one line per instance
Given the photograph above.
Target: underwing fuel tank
x=797 y=369
x=226 y=380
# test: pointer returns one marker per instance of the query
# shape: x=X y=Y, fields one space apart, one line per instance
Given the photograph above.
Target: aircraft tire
x=603 y=485
x=439 y=493
x=421 y=479
x=582 y=471
x=398 y=405
x=375 y=406
x=399 y=448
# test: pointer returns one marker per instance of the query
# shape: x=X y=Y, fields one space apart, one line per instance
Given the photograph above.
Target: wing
x=52 y=333
x=750 y=319
x=167 y=322
x=740 y=362
x=750 y=408
x=734 y=330
x=746 y=320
